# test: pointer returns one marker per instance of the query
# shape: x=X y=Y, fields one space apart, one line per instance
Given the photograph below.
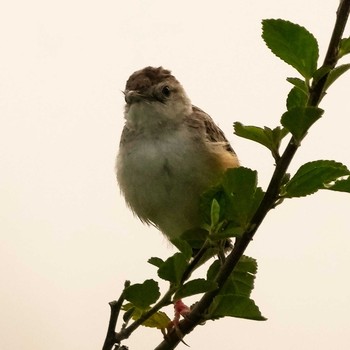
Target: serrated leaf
x=142 y=295
x=293 y=44
x=240 y=185
x=335 y=74
x=278 y=134
x=300 y=84
x=240 y=182
x=247 y=264
x=344 y=47
x=341 y=185
x=196 y=286
x=173 y=268
x=298 y=120
x=270 y=138
x=314 y=176
x=296 y=98
x=241 y=281
x=235 y=306
x=242 y=195
x=159 y=320
x=253 y=133
x=242 y=284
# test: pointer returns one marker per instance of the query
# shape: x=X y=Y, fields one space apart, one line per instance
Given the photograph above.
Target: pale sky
x=68 y=241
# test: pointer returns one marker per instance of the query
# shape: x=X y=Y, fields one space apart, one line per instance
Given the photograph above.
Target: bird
x=170 y=153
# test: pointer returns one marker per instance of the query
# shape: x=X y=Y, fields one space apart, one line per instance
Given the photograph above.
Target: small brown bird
x=170 y=152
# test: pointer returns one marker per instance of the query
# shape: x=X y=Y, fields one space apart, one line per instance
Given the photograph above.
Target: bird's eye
x=166 y=91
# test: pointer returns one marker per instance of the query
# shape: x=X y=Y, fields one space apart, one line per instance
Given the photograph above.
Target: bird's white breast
x=160 y=178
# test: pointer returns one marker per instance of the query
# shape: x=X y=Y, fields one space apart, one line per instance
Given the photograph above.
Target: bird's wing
x=212 y=133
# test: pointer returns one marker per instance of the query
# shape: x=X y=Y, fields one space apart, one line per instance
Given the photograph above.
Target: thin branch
x=115 y=309
x=331 y=58
x=339 y=27
x=197 y=315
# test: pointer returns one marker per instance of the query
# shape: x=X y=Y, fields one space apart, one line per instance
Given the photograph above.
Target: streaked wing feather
x=200 y=119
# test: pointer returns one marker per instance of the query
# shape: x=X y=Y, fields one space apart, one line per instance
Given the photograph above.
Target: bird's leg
x=180 y=309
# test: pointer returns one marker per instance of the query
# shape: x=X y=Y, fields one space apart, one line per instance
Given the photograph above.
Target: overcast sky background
x=68 y=241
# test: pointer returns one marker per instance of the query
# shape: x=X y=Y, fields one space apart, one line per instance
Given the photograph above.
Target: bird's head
x=154 y=96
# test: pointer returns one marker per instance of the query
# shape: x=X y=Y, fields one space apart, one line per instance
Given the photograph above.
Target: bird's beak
x=132 y=96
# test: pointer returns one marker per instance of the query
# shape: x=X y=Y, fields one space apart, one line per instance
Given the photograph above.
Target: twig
x=115 y=309
x=331 y=57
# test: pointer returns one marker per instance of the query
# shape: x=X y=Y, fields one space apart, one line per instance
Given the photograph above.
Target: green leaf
x=255 y=202
x=159 y=320
x=320 y=74
x=293 y=44
x=238 y=197
x=242 y=195
x=241 y=183
x=344 y=47
x=196 y=286
x=342 y=185
x=129 y=310
x=215 y=213
x=298 y=120
x=314 y=176
x=241 y=281
x=247 y=264
x=234 y=298
x=228 y=231
x=270 y=138
x=158 y=262
x=142 y=295
x=253 y=133
x=296 y=98
x=277 y=134
x=234 y=306
x=335 y=73
x=213 y=270
x=194 y=238
x=300 y=84
x=183 y=246
x=173 y=268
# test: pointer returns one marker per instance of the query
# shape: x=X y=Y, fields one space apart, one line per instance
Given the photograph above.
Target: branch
x=331 y=58
x=197 y=315
x=115 y=309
